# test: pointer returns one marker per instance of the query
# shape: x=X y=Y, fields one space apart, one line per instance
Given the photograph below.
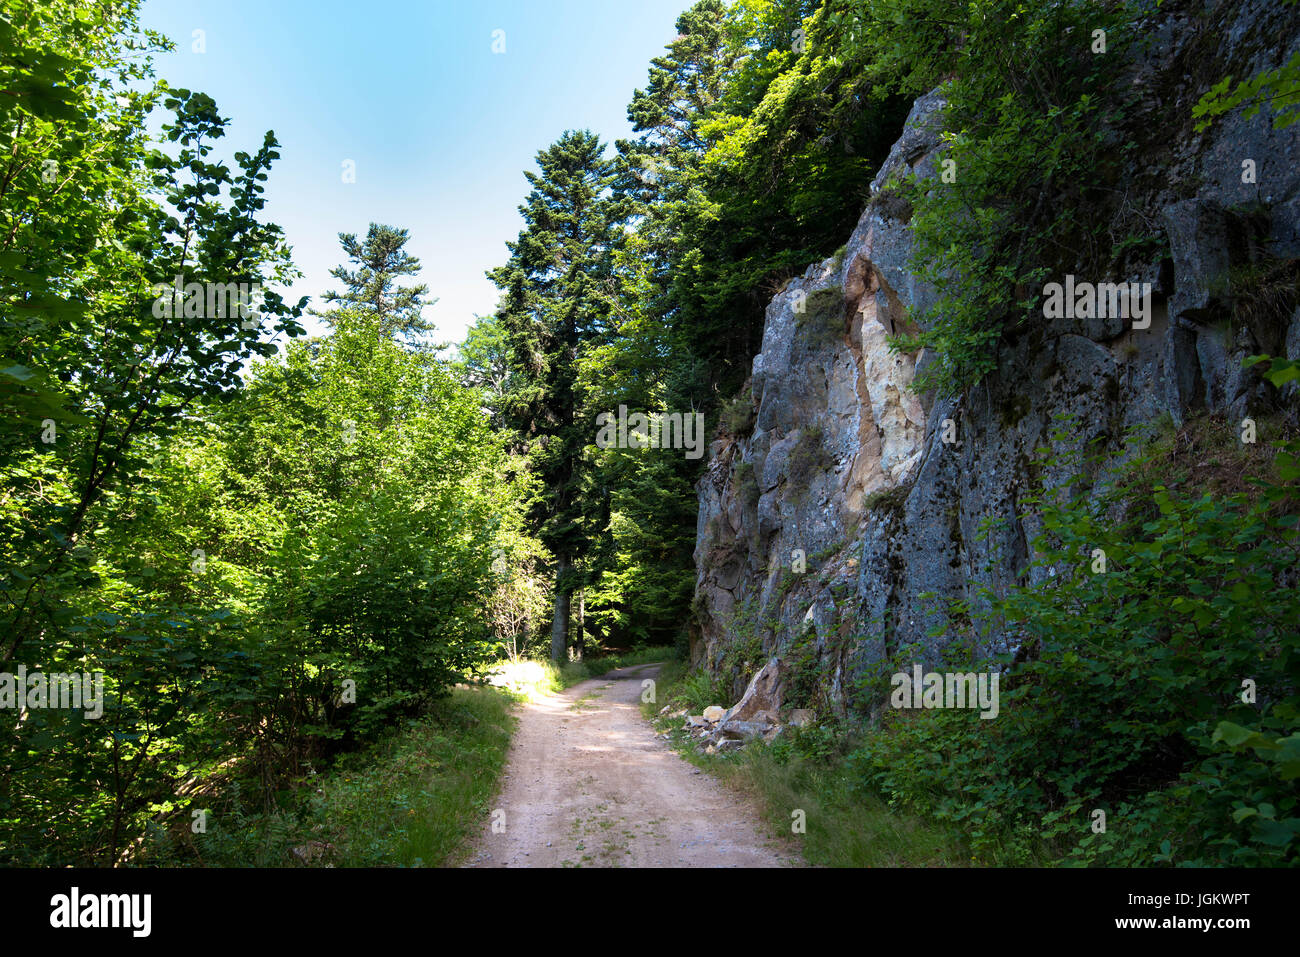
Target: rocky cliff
x=835 y=498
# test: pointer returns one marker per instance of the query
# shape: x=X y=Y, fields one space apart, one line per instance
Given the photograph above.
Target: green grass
x=681 y=687
x=844 y=829
x=575 y=671
x=413 y=799
x=530 y=678
x=804 y=771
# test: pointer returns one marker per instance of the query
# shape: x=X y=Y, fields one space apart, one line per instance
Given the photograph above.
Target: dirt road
x=589 y=784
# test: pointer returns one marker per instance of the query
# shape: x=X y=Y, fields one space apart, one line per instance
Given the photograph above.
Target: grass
x=803 y=771
x=824 y=312
x=575 y=671
x=529 y=678
x=738 y=416
x=843 y=829
x=1207 y=454
x=888 y=501
x=413 y=799
x=807 y=459
x=681 y=687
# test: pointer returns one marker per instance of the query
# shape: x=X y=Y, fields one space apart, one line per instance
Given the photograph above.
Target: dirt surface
x=589 y=784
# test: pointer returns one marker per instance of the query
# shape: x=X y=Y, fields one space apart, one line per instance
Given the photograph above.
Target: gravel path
x=588 y=783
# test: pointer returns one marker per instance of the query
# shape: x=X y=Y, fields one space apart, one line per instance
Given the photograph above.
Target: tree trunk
x=560 y=617
x=581 y=638
x=520 y=643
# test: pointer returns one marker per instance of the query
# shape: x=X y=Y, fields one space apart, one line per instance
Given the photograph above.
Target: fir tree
x=380 y=260
x=557 y=298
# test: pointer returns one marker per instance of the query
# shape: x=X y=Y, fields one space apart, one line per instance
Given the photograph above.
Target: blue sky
x=439 y=126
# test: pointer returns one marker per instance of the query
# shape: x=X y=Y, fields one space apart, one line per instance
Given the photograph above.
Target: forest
x=277 y=550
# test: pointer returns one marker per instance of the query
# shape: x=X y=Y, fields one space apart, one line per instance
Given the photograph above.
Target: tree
x=752 y=159
x=1030 y=110
x=106 y=352
x=98 y=226
x=380 y=260
x=1278 y=88
x=483 y=362
x=519 y=598
x=558 y=294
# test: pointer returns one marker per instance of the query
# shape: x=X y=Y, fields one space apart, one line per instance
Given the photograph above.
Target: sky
x=439 y=126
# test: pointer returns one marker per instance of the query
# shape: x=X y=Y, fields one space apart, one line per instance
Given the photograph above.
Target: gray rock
x=880 y=510
x=801 y=717
x=743 y=730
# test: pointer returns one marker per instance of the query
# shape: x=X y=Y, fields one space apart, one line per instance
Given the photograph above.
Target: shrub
x=1126 y=694
x=808 y=457
x=1032 y=113
x=739 y=415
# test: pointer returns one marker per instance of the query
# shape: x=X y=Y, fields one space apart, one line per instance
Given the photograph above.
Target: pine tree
x=685 y=84
x=380 y=260
x=557 y=299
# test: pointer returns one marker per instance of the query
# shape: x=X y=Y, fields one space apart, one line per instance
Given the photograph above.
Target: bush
x=1128 y=691
x=1030 y=109
x=739 y=415
x=808 y=457
x=411 y=799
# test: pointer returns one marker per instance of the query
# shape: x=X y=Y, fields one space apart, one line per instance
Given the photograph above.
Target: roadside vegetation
x=1164 y=732
x=413 y=798
x=538 y=676
x=805 y=770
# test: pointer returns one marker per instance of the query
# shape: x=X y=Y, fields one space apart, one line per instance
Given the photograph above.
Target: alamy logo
x=208 y=300
x=657 y=430
x=1105 y=300
x=83 y=692
x=75 y=909
x=946 y=690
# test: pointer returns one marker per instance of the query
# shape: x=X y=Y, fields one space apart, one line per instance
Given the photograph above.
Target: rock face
x=760 y=700
x=820 y=531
